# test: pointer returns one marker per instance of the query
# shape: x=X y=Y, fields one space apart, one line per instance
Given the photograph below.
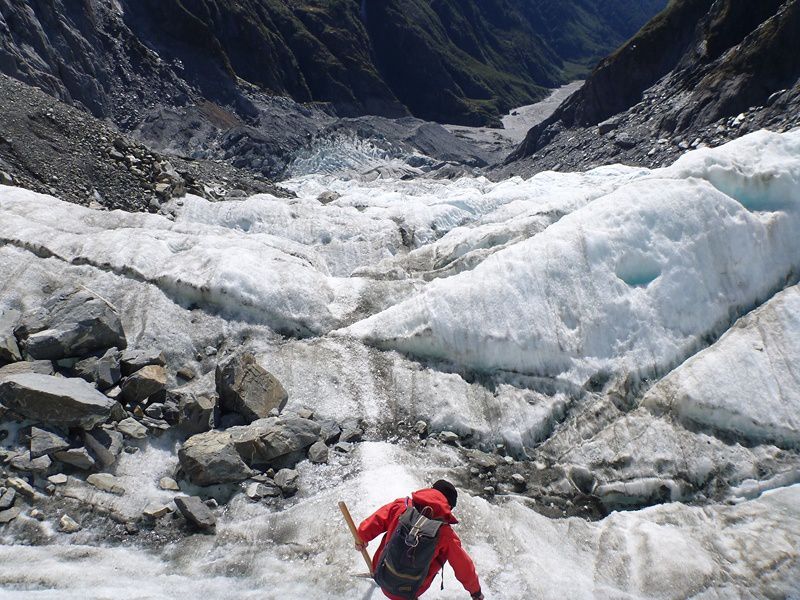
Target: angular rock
x=330 y=431
x=448 y=437
x=169 y=484
x=196 y=512
x=68 y=525
x=71 y=323
x=46 y=442
x=343 y=447
x=519 y=481
x=154 y=510
x=155 y=410
x=287 y=480
x=305 y=413
x=318 y=453
x=24 y=462
x=9 y=350
x=106 y=483
x=7 y=498
x=57 y=479
x=118 y=413
x=104 y=370
x=133 y=360
x=106 y=444
x=131 y=428
x=41 y=367
x=196 y=412
x=245 y=387
x=289 y=435
x=21 y=487
x=55 y=400
x=77 y=457
x=257 y=491
x=210 y=458
x=145 y=382
x=351 y=430
x=6 y=516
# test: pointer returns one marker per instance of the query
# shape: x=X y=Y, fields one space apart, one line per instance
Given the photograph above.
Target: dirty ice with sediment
x=639 y=325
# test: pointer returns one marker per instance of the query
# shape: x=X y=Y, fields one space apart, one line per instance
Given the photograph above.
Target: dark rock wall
x=710 y=58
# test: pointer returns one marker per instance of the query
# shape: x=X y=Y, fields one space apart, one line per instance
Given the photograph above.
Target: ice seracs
x=631 y=282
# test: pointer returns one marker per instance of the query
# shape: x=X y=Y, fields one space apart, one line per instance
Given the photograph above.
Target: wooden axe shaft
x=349 y=520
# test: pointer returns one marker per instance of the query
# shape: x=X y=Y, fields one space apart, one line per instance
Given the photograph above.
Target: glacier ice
x=483 y=308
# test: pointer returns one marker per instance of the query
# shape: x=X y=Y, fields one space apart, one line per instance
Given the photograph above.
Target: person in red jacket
x=441 y=498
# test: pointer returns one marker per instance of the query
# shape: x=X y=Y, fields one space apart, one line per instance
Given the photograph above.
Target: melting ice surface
x=399 y=300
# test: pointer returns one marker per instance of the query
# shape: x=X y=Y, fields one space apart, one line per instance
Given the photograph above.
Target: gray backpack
x=407 y=558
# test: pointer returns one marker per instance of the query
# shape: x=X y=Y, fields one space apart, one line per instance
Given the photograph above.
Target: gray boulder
x=9 y=350
x=6 y=516
x=210 y=458
x=196 y=512
x=24 y=462
x=45 y=442
x=289 y=435
x=287 y=480
x=133 y=360
x=7 y=498
x=71 y=323
x=318 y=453
x=245 y=387
x=196 y=412
x=55 y=400
x=351 y=430
x=104 y=370
x=105 y=443
x=145 y=382
x=330 y=431
x=77 y=457
x=40 y=367
x=106 y=483
x=131 y=428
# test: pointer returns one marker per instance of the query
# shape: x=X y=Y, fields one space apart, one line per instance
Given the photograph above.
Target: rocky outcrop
x=55 y=400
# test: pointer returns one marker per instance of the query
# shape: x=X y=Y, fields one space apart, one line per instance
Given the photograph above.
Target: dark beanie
x=448 y=490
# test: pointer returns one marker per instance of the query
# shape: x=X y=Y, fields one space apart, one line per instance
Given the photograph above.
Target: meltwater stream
x=487 y=309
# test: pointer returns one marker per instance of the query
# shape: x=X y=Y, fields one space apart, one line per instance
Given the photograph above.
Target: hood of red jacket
x=437 y=502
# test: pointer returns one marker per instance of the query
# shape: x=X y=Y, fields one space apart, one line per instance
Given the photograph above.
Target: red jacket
x=448 y=548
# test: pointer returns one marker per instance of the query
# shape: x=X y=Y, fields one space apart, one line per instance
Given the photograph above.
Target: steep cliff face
x=695 y=65
x=463 y=61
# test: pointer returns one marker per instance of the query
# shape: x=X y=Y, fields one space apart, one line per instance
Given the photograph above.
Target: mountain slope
x=464 y=61
x=687 y=75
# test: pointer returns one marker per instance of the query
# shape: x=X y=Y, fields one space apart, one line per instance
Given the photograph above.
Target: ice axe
x=349 y=520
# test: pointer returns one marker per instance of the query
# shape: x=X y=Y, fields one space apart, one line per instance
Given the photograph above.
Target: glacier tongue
x=483 y=308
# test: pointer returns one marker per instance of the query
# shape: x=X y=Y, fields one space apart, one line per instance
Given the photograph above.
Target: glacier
x=639 y=325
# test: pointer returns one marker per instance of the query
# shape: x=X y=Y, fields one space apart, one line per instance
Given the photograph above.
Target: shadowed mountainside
x=462 y=61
